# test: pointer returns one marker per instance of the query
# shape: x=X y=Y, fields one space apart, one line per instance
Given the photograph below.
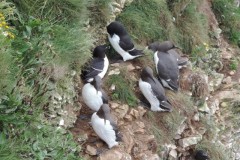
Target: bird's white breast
x=91 y=97
x=114 y=40
x=156 y=59
x=105 y=68
x=104 y=130
x=148 y=93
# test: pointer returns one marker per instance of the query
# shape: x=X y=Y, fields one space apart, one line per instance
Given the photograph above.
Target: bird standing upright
x=98 y=65
x=93 y=94
x=121 y=41
x=153 y=91
x=105 y=127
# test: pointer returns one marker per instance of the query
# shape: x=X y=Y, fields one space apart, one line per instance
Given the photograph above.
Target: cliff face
x=204 y=114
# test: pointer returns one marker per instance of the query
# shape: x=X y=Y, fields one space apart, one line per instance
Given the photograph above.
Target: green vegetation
x=35 y=38
x=228 y=15
x=124 y=89
x=233 y=64
x=151 y=20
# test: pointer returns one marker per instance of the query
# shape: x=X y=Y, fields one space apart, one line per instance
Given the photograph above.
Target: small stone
x=227 y=80
x=57 y=96
x=140 y=124
x=185 y=142
x=177 y=136
x=150 y=138
x=231 y=73
x=130 y=67
x=122 y=110
x=224 y=104
x=91 y=150
x=173 y=153
x=115 y=65
x=61 y=123
x=114 y=72
x=196 y=117
x=139 y=131
x=111 y=155
x=181 y=128
x=214 y=106
x=138 y=67
x=141 y=111
x=114 y=105
x=134 y=113
x=99 y=144
x=204 y=108
x=112 y=87
x=128 y=118
x=153 y=157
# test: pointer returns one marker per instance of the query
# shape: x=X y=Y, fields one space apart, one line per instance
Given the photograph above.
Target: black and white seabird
x=121 y=41
x=93 y=94
x=98 y=65
x=153 y=91
x=105 y=127
x=201 y=155
x=168 y=46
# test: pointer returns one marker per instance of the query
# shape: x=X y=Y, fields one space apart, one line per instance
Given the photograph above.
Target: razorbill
x=167 y=69
x=93 y=94
x=153 y=91
x=121 y=41
x=105 y=127
x=98 y=65
x=168 y=46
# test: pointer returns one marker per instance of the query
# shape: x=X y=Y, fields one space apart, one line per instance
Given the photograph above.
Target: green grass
x=233 y=65
x=148 y=21
x=228 y=16
x=124 y=89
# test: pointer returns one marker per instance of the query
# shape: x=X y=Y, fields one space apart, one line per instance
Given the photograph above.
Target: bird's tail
x=136 y=52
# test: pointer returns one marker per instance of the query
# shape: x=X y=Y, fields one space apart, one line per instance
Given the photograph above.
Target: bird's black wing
x=157 y=89
x=126 y=43
x=168 y=69
x=95 y=67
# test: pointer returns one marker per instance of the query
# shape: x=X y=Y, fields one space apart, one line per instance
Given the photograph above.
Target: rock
x=231 y=73
x=91 y=150
x=196 y=117
x=114 y=105
x=128 y=118
x=139 y=131
x=224 y=104
x=201 y=130
x=134 y=113
x=138 y=67
x=185 y=142
x=140 y=124
x=57 y=96
x=112 y=87
x=153 y=157
x=215 y=83
x=115 y=65
x=173 y=154
x=141 y=111
x=111 y=155
x=181 y=128
x=116 y=71
x=61 y=123
x=204 y=108
x=227 y=80
x=213 y=106
x=177 y=136
x=122 y=110
x=128 y=138
x=130 y=67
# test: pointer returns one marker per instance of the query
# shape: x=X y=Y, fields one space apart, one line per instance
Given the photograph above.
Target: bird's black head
x=97 y=83
x=153 y=46
x=99 y=51
x=147 y=72
x=201 y=155
x=163 y=46
x=116 y=28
